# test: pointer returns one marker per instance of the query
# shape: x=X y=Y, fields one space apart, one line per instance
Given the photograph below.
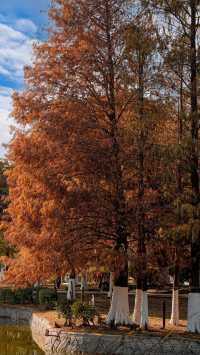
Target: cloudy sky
x=21 y=23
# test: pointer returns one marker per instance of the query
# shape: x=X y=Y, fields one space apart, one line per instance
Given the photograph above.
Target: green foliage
x=7 y=296
x=187 y=212
x=83 y=311
x=3 y=183
x=24 y=296
x=18 y=296
x=195 y=230
x=47 y=297
x=3 y=186
x=180 y=234
x=64 y=309
x=5 y=248
x=185 y=274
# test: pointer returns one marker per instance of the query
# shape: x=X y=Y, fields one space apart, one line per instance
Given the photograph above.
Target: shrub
x=47 y=297
x=84 y=311
x=36 y=291
x=64 y=308
x=7 y=296
x=23 y=296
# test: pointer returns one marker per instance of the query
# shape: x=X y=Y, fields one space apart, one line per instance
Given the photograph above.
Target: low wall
x=57 y=341
x=16 y=314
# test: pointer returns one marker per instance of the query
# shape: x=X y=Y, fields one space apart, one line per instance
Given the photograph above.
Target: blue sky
x=21 y=23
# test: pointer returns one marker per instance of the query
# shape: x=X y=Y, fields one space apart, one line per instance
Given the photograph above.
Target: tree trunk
x=119 y=309
x=180 y=133
x=194 y=296
x=174 y=320
x=175 y=294
x=84 y=285
x=140 y=314
x=71 y=292
x=110 y=285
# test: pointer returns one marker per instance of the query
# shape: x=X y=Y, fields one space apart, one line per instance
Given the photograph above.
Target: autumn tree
x=70 y=186
x=70 y=198
x=184 y=19
x=177 y=65
x=142 y=51
x=86 y=184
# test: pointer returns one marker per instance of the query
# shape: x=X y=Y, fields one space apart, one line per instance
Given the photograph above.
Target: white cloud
x=9 y=33
x=15 y=51
x=4 y=71
x=26 y=26
x=5 y=120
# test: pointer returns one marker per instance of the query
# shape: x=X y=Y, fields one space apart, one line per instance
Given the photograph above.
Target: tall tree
x=144 y=66
x=184 y=19
x=176 y=68
x=71 y=194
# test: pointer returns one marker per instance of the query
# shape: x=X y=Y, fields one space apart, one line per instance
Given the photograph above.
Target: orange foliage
x=74 y=163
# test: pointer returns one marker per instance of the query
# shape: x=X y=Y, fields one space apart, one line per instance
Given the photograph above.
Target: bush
x=83 y=311
x=24 y=296
x=64 y=308
x=47 y=297
x=36 y=291
x=18 y=296
x=7 y=296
